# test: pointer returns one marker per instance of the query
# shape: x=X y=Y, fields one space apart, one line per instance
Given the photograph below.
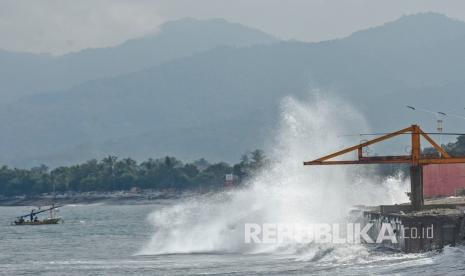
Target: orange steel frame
x=415 y=159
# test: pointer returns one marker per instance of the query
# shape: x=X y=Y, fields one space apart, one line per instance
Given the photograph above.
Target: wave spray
x=284 y=192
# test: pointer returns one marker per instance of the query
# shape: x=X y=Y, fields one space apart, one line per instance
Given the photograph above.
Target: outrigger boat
x=33 y=219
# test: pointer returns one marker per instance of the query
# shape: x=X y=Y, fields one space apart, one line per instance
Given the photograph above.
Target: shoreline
x=110 y=198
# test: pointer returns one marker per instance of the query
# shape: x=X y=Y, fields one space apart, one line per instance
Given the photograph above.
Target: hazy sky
x=60 y=26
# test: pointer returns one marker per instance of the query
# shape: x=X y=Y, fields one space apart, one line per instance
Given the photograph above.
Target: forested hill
x=221 y=102
x=25 y=74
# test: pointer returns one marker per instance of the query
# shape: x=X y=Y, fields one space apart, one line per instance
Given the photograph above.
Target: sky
x=62 y=26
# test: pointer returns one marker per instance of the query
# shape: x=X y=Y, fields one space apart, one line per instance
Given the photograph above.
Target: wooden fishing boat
x=34 y=220
x=38 y=222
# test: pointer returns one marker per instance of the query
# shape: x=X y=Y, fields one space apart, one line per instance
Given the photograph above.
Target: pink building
x=443 y=180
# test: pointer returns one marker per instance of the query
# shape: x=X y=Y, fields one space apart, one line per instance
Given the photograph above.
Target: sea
x=113 y=240
x=204 y=234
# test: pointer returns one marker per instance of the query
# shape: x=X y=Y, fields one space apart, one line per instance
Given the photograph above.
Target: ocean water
x=204 y=235
x=108 y=239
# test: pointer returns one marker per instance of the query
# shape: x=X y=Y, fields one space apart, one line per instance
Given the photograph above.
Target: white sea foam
x=285 y=192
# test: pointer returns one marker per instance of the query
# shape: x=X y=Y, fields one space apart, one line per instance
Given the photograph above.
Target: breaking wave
x=285 y=192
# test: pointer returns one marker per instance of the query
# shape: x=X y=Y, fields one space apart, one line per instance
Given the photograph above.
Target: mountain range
x=210 y=88
x=27 y=74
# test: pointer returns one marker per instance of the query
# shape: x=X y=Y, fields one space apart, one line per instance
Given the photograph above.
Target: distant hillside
x=221 y=102
x=28 y=74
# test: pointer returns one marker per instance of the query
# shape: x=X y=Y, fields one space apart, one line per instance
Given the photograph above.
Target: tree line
x=114 y=174
x=456 y=148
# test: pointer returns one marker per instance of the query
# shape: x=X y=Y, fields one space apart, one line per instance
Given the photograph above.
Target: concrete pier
x=417 y=231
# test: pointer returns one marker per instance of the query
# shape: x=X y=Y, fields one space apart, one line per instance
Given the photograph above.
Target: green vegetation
x=113 y=174
x=456 y=148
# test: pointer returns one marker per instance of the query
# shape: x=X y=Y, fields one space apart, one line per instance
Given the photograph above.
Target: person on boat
x=31 y=216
